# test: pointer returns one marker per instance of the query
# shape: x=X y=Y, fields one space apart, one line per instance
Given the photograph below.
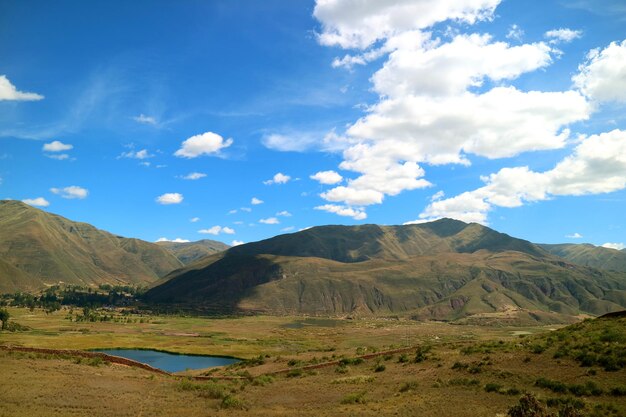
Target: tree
x=528 y=407
x=4 y=317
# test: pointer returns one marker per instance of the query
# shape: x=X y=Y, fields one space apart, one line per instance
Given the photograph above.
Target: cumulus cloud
x=148 y=120
x=278 y=178
x=56 y=146
x=442 y=100
x=38 y=202
x=194 y=176
x=177 y=240
x=270 y=220
x=9 y=92
x=327 y=177
x=141 y=154
x=360 y=23
x=255 y=202
x=597 y=165
x=71 y=192
x=563 y=35
x=216 y=230
x=617 y=246
x=287 y=229
x=602 y=77
x=194 y=219
x=355 y=213
x=237 y=242
x=207 y=143
x=283 y=213
x=574 y=236
x=170 y=198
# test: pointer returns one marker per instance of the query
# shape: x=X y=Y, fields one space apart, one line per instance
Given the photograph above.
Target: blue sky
x=166 y=119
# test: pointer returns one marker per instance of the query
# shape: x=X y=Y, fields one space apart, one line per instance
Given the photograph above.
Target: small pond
x=169 y=362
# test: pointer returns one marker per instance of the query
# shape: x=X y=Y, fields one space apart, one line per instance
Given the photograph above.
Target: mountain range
x=443 y=270
x=39 y=249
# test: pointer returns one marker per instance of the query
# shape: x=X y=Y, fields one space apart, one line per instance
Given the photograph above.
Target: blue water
x=167 y=361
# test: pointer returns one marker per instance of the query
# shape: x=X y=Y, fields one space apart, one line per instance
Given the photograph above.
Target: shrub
x=294 y=373
x=492 y=387
x=380 y=367
x=408 y=386
x=354 y=398
x=230 y=401
x=262 y=380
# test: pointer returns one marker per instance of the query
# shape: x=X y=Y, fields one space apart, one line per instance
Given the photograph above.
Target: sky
x=238 y=120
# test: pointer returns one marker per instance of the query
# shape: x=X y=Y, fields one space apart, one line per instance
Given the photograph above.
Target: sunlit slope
x=190 y=252
x=38 y=249
x=590 y=255
x=445 y=270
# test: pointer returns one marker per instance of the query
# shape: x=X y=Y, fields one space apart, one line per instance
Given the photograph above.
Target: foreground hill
x=445 y=270
x=590 y=255
x=189 y=252
x=39 y=249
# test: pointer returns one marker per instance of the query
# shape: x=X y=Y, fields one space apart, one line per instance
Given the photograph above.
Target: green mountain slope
x=445 y=270
x=39 y=249
x=189 y=252
x=589 y=255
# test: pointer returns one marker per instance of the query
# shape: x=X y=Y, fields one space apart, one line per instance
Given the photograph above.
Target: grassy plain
x=462 y=370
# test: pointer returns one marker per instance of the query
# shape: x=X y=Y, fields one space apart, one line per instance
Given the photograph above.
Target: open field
x=459 y=370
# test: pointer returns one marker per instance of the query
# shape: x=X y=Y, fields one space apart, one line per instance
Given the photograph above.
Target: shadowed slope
x=189 y=252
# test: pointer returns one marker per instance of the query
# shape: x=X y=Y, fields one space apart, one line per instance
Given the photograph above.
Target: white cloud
x=278 y=178
x=574 y=236
x=437 y=196
x=216 y=230
x=238 y=222
x=255 y=201
x=283 y=213
x=194 y=219
x=303 y=141
x=360 y=23
x=170 y=198
x=71 y=192
x=353 y=196
x=563 y=35
x=60 y=156
x=9 y=92
x=237 y=242
x=515 y=33
x=56 y=146
x=177 y=240
x=142 y=154
x=39 y=202
x=597 y=165
x=355 y=213
x=617 y=246
x=602 y=77
x=327 y=177
x=233 y=211
x=270 y=220
x=248 y=209
x=287 y=229
x=142 y=118
x=204 y=144
x=194 y=176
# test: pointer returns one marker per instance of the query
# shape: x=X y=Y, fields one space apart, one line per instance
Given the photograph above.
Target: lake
x=169 y=362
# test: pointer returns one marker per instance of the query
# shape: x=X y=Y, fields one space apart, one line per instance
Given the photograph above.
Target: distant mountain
x=189 y=252
x=446 y=270
x=590 y=255
x=38 y=249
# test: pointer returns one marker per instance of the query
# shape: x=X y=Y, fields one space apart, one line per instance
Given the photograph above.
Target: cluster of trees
x=4 y=318
x=53 y=298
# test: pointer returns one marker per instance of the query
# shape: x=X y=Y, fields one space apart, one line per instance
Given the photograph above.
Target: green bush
x=354 y=398
x=408 y=386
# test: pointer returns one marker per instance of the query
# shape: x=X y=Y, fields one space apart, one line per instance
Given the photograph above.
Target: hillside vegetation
x=444 y=270
x=190 y=252
x=590 y=255
x=39 y=249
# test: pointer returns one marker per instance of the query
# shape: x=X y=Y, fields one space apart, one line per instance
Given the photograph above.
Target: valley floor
x=454 y=371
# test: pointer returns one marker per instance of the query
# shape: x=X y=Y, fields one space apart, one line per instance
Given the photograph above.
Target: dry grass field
x=459 y=370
